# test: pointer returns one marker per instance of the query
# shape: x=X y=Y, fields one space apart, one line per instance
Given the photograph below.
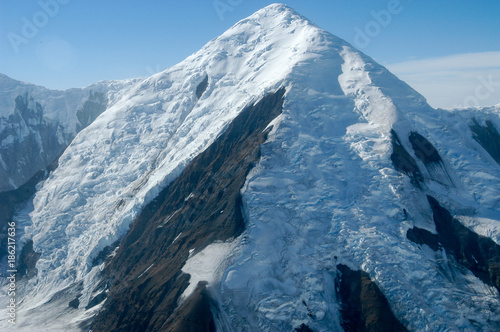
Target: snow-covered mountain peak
x=271 y=24
x=326 y=187
x=279 y=31
x=154 y=127
x=151 y=131
x=275 y=15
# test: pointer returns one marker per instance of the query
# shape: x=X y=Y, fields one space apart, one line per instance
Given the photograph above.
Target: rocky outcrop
x=303 y=328
x=479 y=254
x=423 y=236
x=363 y=306
x=430 y=157
x=424 y=150
x=202 y=87
x=488 y=137
x=194 y=315
x=91 y=109
x=9 y=201
x=403 y=161
x=201 y=206
x=28 y=259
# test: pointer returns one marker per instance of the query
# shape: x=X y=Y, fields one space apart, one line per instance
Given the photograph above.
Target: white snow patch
x=146 y=270
x=177 y=237
x=2 y=163
x=483 y=226
x=207 y=265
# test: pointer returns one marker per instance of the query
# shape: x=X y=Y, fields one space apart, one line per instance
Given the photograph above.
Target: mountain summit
x=278 y=179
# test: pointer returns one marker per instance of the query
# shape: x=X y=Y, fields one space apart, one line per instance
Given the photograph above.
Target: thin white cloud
x=457 y=61
x=461 y=80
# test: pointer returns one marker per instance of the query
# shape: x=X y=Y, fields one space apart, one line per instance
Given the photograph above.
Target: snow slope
x=325 y=191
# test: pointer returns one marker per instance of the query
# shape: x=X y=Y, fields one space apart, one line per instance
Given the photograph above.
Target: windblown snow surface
x=325 y=191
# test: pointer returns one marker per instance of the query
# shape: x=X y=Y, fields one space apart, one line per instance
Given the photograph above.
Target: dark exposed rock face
x=194 y=315
x=488 y=137
x=202 y=87
x=479 y=254
x=92 y=108
x=422 y=236
x=364 y=307
x=424 y=150
x=96 y=300
x=28 y=261
x=9 y=201
x=201 y=206
x=427 y=153
x=403 y=161
x=104 y=254
x=74 y=303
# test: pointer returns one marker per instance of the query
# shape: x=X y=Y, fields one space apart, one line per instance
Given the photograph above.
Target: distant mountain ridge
x=36 y=124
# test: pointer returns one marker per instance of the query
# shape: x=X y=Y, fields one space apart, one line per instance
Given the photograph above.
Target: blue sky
x=448 y=50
